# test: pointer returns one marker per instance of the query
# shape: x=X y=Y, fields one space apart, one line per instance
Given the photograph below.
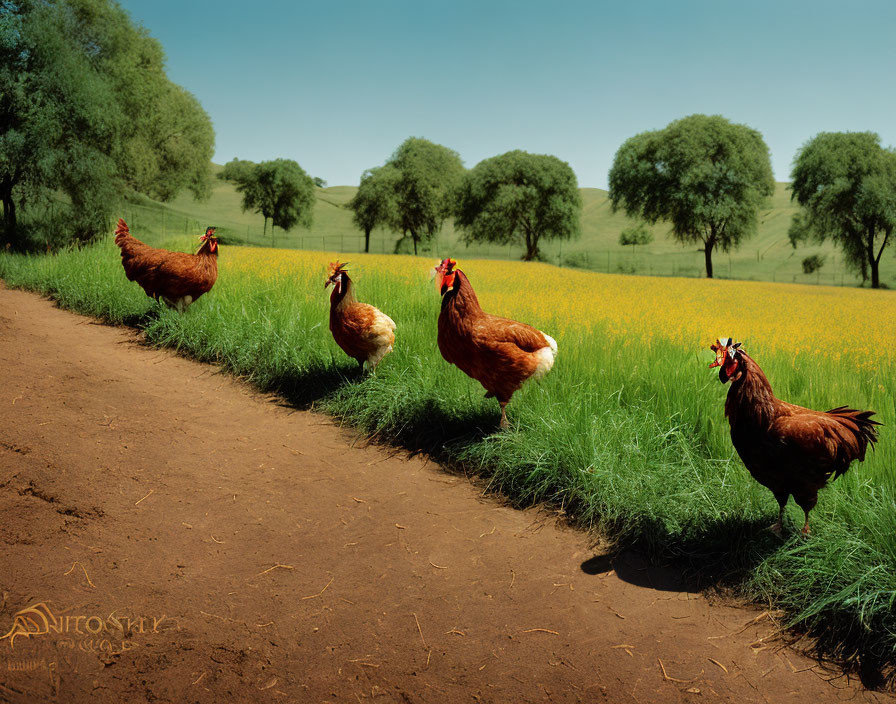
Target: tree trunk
x=531 y=247
x=709 y=243
x=367 y=240
x=9 y=215
x=414 y=238
x=874 y=261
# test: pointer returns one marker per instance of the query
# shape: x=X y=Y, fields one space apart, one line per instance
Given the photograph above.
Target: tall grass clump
x=627 y=434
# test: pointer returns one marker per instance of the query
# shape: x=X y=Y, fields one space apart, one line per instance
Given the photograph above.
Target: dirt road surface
x=169 y=535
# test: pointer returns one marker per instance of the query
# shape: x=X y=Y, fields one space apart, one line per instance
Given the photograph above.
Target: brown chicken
x=499 y=353
x=176 y=278
x=789 y=449
x=362 y=331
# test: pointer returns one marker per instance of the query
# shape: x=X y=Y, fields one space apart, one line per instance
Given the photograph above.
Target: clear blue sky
x=337 y=86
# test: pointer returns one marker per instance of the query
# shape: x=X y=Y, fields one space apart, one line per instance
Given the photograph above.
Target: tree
x=635 y=235
x=166 y=140
x=846 y=185
x=237 y=171
x=427 y=176
x=705 y=175
x=56 y=115
x=519 y=197
x=374 y=204
x=281 y=191
x=86 y=112
x=319 y=182
x=813 y=263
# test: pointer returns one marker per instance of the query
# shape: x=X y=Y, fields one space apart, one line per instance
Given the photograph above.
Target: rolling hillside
x=768 y=256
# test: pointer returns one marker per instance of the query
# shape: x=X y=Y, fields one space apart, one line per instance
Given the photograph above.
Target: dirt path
x=182 y=538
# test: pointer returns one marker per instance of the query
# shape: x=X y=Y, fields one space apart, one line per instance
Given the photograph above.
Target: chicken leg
x=778 y=527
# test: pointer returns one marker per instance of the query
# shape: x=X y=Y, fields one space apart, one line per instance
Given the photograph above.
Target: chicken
x=500 y=354
x=176 y=278
x=789 y=449
x=362 y=331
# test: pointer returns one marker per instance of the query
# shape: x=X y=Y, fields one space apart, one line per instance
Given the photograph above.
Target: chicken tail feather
x=862 y=419
x=862 y=428
x=122 y=233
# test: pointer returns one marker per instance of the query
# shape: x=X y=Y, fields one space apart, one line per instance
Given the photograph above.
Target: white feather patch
x=545 y=357
x=382 y=331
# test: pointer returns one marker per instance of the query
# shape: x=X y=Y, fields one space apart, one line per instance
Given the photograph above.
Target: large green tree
x=846 y=185
x=86 y=113
x=519 y=197
x=54 y=124
x=281 y=191
x=374 y=203
x=237 y=171
x=707 y=176
x=427 y=176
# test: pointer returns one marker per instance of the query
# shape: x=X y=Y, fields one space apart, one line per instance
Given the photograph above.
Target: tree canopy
x=707 y=176
x=374 y=203
x=87 y=112
x=635 y=235
x=280 y=190
x=426 y=177
x=846 y=185
x=237 y=171
x=521 y=198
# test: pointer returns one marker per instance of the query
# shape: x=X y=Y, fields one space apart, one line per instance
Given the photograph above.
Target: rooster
x=176 y=278
x=499 y=353
x=363 y=332
x=789 y=449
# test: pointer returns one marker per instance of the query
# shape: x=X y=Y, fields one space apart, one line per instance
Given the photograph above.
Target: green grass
x=642 y=458
x=766 y=257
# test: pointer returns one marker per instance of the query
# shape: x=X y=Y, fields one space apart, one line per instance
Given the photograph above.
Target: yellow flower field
x=857 y=326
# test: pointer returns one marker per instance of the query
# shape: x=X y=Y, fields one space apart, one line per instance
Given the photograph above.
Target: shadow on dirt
x=633 y=567
x=721 y=556
x=302 y=392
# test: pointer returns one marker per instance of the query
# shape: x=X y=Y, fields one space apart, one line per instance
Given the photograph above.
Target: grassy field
x=766 y=257
x=627 y=434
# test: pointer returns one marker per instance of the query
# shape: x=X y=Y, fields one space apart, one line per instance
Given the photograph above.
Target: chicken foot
x=504 y=423
x=778 y=526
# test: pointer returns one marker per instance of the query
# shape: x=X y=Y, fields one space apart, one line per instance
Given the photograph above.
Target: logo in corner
x=35 y=620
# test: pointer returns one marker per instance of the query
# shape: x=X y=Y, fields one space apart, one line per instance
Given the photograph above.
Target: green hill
x=768 y=256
